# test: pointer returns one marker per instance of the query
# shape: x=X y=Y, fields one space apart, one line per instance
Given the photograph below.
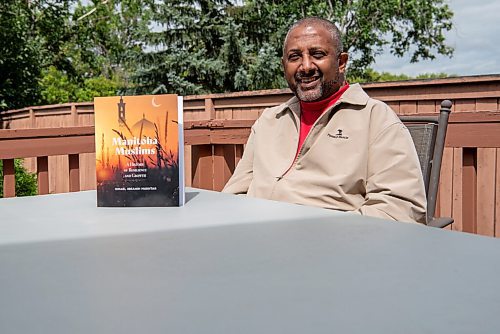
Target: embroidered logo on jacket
x=338 y=135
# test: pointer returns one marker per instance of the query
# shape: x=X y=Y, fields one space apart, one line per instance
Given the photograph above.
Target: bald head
x=318 y=22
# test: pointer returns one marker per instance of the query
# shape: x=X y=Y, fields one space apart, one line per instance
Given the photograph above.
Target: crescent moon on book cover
x=154 y=104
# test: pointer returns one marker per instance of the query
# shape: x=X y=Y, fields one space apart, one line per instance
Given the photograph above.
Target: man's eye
x=318 y=55
x=293 y=57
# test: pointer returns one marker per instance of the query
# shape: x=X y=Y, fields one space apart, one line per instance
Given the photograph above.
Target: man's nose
x=307 y=64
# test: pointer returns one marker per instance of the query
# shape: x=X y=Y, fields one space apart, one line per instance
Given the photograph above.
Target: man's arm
x=243 y=174
x=394 y=186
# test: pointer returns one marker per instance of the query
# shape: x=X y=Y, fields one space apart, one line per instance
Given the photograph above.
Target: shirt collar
x=354 y=95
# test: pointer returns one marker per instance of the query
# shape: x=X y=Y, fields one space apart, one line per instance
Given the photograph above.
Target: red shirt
x=311 y=111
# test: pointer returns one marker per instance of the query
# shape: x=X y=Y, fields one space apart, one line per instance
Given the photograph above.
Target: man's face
x=313 y=68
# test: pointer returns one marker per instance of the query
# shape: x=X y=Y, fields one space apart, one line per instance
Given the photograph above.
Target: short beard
x=325 y=90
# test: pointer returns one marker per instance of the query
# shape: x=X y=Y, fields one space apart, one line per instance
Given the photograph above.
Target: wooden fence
x=217 y=126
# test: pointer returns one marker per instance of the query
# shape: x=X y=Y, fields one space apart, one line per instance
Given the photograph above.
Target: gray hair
x=324 y=23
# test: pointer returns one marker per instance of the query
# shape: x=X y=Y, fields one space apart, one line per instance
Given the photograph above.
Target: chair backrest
x=429 y=134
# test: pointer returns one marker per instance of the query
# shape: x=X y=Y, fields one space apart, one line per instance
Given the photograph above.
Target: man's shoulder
x=291 y=105
x=355 y=95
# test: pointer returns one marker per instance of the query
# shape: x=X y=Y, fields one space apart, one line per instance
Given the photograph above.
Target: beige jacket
x=357 y=157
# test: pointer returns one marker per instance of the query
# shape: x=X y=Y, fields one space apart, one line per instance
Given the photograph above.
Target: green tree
x=19 y=56
x=58 y=87
x=107 y=37
x=192 y=49
x=217 y=45
x=60 y=51
x=33 y=35
x=414 y=27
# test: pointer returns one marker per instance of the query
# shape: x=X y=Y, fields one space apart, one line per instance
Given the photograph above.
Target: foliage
x=26 y=184
x=217 y=45
x=414 y=27
x=188 y=49
x=107 y=36
x=59 y=51
x=19 y=56
x=57 y=87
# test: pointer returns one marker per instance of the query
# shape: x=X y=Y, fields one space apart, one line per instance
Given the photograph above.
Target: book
x=139 y=150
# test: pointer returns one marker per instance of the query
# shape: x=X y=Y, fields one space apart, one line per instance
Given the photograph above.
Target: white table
x=231 y=264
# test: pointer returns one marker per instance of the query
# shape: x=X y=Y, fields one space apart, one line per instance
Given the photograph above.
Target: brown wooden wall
x=217 y=126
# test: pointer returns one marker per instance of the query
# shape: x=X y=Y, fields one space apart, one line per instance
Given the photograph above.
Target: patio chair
x=428 y=134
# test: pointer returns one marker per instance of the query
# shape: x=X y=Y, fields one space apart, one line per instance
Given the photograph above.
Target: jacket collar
x=354 y=95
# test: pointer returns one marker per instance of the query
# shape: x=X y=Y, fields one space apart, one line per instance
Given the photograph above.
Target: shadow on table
x=190 y=195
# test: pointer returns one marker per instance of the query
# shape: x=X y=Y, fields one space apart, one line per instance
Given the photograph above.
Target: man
x=331 y=145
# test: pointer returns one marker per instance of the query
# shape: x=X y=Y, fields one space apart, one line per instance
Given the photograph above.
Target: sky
x=475 y=37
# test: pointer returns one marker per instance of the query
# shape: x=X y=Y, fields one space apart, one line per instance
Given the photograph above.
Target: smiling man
x=331 y=145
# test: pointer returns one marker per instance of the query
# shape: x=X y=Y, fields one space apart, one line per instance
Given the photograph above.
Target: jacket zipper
x=294 y=162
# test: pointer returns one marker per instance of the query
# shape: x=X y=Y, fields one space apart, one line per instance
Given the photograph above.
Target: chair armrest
x=440 y=222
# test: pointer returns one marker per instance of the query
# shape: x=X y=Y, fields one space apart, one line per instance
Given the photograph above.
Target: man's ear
x=343 y=58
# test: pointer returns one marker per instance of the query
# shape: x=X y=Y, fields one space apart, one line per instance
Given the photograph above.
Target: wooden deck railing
x=74 y=141
x=217 y=126
x=41 y=144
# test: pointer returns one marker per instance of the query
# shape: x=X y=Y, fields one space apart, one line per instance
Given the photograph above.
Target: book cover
x=139 y=150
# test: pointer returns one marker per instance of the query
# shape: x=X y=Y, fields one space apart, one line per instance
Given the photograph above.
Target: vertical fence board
x=486 y=161
x=209 y=109
x=407 y=107
x=224 y=113
x=202 y=166
x=446 y=184
x=58 y=174
x=87 y=171
x=30 y=164
x=9 y=178
x=457 y=188
x=188 y=173
x=426 y=106
x=32 y=118
x=74 y=172
x=469 y=189
x=486 y=104
x=74 y=115
x=464 y=105
x=223 y=165
x=42 y=167
x=239 y=113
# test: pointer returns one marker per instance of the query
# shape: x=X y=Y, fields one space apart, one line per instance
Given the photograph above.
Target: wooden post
x=9 y=178
x=42 y=168
x=74 y=172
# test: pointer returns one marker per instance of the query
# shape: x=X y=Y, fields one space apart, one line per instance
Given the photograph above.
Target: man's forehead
x=309 y=31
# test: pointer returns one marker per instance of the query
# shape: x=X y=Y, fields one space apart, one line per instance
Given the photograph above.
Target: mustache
x=302 y=75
